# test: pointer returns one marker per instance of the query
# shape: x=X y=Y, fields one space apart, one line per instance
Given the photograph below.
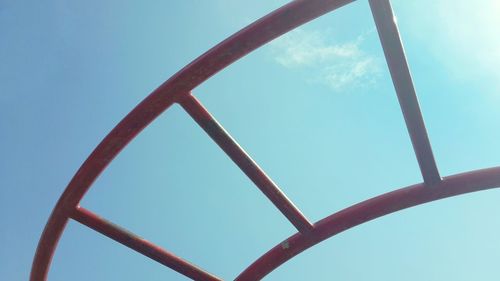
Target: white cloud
x=339 y=66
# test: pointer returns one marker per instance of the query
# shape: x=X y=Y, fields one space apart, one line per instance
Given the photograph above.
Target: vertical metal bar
x=401 y=78
x=140 y=245
x=206 y=121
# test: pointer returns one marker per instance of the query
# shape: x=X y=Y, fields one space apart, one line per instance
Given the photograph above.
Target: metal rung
x=140 y=245
x=401 y=78
x=206 y=121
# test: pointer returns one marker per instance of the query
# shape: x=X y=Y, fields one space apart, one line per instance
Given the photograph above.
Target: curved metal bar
x=228 y=51
x=368 y=210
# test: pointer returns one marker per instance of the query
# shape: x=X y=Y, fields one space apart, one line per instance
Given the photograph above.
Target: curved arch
x=225 y=53
x=176 y=90
x=368 y=210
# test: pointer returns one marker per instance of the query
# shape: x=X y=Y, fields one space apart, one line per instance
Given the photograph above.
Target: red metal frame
x=178 y=90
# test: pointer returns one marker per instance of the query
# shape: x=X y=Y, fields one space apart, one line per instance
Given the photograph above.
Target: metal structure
x=178 y=90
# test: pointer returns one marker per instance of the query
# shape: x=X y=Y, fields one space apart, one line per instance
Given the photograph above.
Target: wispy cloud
x=337 y=65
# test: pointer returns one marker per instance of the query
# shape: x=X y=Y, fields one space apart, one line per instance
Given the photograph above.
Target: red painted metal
x=178 y=89
x=368 y=210
x=140 y=245
x=243 y=42
x=401 y=77
x=245 y=162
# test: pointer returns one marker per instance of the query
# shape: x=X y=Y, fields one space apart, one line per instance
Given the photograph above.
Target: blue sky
x=315 y=108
